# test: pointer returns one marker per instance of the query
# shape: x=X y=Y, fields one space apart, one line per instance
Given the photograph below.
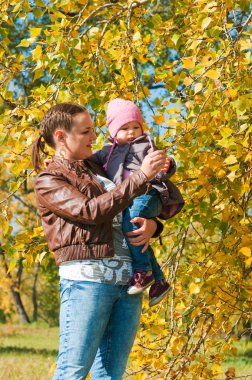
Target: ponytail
x=36 y=159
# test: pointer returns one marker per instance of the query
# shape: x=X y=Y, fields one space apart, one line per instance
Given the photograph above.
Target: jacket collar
x=79 y=166
x=68 y=163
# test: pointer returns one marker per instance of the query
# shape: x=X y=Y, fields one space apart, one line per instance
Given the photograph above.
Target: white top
x=116 y=270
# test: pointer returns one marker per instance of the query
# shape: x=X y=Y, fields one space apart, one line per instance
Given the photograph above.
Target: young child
x=129 y=146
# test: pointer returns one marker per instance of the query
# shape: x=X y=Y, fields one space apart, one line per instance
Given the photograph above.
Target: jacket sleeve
x=172 y=201
x=159 y=229
x=57 y=195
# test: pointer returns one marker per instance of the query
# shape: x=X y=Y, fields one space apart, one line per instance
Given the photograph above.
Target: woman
x=98 y=319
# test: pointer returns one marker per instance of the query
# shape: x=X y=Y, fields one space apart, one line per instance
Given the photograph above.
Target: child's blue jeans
x=146 y=206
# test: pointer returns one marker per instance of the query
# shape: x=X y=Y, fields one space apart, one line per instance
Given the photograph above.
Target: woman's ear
x=59 y=136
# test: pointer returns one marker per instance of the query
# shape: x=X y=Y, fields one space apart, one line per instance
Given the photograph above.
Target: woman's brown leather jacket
x=77 y=212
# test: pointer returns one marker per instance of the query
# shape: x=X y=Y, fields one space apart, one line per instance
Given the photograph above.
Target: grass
x=242 y=363
x=29 y=353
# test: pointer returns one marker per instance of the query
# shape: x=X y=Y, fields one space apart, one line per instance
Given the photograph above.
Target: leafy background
x=187 y=65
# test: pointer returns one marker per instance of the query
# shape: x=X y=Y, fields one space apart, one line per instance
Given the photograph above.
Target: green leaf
x=175 y=38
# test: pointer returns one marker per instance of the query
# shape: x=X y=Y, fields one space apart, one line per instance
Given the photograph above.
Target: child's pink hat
x=120 y=112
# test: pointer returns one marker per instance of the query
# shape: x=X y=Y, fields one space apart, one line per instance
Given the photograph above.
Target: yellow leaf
x=173 y=121
x=52 y=369
x=210 y=7
x=40 y=257
x=231 y=176
x=136 y=36
x=7 y=229
x=205 y=22
x=245 y=44
x=221 y=173
x=188 y=81
x=194 y=44
x=12 y=265
x=140 y=376
x=226 y=132
x=37 y=52
x=207 y=60
x=198 y=87
x=16 y=8
x=213 y=74
x=230 y=93
x=146 y=91
x=127 y=73
x=188 y=63
x=157 y=330
x=167 y=134
x=230 y=160
x=147 y=38
x=34 y=32
x=142 y=58
x=248 y=157
x=246 y=251
x=248 y=262
x=27 y=42
x=216 y=368
x=159 y=119
x=20 y=222
x=194 y=288
x=74 y=33
x=38 y=73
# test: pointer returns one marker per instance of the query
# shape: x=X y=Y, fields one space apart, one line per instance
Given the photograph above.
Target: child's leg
x=147 y=206
x=156 y=269
x=140 y=260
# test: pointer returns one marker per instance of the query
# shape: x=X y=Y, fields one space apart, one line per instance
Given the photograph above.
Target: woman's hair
x=59 y=116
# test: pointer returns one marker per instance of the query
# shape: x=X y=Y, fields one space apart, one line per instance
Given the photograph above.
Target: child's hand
x=167 y=165
x=47 y=161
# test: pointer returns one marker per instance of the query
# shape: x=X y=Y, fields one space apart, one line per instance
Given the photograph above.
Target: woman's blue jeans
x=98 y=324
x=147 y=206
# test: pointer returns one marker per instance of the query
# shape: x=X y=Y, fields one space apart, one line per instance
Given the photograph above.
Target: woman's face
x=78 y=142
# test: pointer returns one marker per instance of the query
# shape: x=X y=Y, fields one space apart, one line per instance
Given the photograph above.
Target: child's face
x=129 y=132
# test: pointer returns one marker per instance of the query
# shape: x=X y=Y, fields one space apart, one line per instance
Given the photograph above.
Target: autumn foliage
x=187 y=64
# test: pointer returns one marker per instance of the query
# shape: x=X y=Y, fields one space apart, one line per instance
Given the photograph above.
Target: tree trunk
x=22 y=315
x=34 y=294
x=14 y=288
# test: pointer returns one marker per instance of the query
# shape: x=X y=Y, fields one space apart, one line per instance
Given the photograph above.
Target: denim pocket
x=65 y=289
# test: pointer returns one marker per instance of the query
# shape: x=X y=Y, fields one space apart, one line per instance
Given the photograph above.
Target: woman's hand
x=153 y=163
x=143 y=234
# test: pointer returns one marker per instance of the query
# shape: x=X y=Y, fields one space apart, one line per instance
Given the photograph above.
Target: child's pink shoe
x=158 y=291
x=139 y=281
